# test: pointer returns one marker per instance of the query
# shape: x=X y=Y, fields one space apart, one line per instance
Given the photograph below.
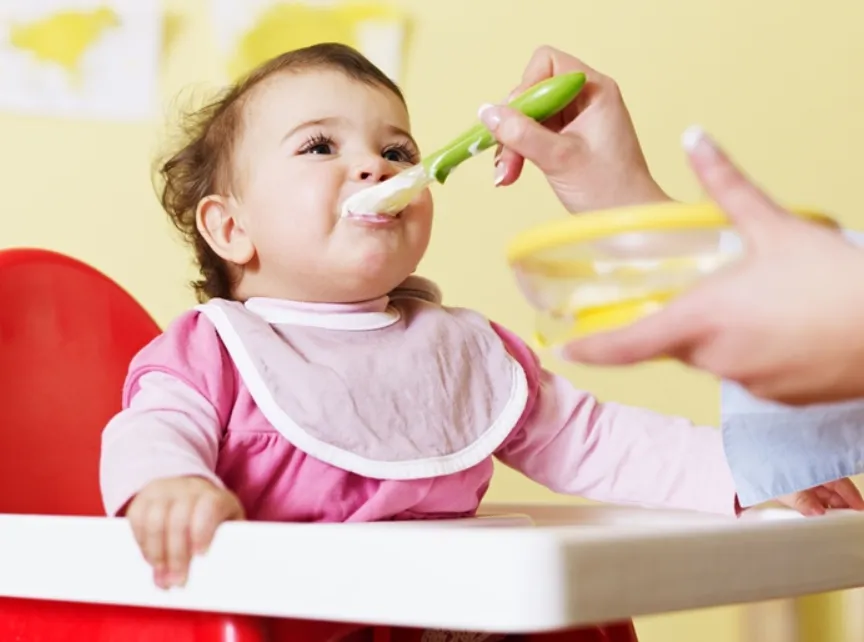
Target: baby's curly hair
x=201 y=166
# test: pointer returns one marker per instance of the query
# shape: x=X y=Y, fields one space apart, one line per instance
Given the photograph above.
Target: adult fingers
x=550 y=151
x=547 y=62
x=848 y=492
x=747 y=206
x=806 y=503
x=544 y=63
x=669 y=332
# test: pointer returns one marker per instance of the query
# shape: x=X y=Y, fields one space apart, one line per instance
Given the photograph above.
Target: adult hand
x=786 y=320
x=589 y=151
x=842 y=494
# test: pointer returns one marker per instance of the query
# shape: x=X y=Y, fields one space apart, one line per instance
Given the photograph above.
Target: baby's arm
x=158 y=458
x=573 y=444
x=167 y=430
x=159 y=453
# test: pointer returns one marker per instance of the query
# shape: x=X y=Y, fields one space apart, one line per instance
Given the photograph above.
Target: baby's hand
x=836 y=494
x=176 y=518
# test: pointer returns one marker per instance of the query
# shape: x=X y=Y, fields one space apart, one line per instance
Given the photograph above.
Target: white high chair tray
x=572 y=565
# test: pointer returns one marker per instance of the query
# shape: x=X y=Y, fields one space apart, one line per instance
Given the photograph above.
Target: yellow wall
x=778 y=82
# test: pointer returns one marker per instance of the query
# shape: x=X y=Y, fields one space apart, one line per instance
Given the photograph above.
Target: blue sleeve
x=775 y=450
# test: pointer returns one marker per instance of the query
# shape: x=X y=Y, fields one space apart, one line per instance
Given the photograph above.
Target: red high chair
x=67 y=335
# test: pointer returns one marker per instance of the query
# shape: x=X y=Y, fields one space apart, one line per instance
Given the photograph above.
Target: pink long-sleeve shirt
x=190 y=410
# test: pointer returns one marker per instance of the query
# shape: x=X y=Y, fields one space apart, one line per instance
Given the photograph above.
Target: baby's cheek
x=427 y=209
x=291 y=241
x=425 y=203
x=422 y=211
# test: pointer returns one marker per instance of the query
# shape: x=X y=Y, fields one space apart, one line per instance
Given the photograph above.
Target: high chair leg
x=381 y=634
x=285 y=630
x=428 y=635
x=617 y=632
x=300 y=631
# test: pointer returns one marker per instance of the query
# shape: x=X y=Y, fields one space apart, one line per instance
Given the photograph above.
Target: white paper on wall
x=94 y=59
x=249 y=32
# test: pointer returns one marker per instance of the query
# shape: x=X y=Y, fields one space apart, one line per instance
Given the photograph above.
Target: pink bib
x=409 y=389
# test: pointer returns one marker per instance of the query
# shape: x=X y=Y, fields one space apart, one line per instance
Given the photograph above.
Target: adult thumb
x=549 y=151
x=669 y=332
x=747 y=206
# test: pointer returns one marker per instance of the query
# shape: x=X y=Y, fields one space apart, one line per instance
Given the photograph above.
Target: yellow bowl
x=598 y=271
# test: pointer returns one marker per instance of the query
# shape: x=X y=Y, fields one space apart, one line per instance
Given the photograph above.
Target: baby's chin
x=369 y=262
x=369 y=286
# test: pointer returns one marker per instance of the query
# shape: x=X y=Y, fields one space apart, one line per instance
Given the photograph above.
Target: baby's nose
x=374 y=170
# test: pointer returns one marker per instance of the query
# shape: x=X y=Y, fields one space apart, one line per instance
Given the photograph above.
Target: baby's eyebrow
x=317 y=122
x=338 y=120
x=401 y=132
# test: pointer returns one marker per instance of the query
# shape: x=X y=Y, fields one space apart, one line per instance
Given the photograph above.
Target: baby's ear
x=223 y=230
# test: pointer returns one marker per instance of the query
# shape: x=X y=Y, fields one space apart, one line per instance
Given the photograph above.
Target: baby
x=319 y=380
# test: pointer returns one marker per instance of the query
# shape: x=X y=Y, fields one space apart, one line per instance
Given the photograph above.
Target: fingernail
x=161 y=579
x=489 y=116
x=560 y=352
x=500 y=171
x=177 y=579
x=691 y=137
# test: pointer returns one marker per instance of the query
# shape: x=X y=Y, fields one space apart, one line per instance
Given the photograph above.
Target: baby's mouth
x=373 y=217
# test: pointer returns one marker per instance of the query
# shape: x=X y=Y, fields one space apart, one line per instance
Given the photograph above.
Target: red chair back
x=67 y=335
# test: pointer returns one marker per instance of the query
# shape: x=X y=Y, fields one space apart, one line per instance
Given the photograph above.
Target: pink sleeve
x=176 y=401
x=190 y=350
x=571 y=443
x=168 y=430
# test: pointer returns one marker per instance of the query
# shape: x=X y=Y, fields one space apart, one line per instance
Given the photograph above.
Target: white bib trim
x=355 y=321
x=480 y=449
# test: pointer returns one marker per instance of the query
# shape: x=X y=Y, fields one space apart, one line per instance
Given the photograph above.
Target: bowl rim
x=637 y=218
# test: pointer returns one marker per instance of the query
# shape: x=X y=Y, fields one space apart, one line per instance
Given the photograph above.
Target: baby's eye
x=398 y=155
x=319 y=148
x=319 y=145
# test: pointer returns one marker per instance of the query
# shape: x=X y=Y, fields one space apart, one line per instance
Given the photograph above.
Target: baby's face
x=309 y=141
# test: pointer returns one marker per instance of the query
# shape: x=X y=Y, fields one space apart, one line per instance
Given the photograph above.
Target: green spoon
x=539 y=102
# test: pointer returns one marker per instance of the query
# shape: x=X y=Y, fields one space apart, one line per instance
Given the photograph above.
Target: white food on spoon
x=388 y=197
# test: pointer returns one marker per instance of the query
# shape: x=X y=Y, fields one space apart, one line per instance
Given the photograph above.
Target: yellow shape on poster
x=291 y=25
x=64 y=37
